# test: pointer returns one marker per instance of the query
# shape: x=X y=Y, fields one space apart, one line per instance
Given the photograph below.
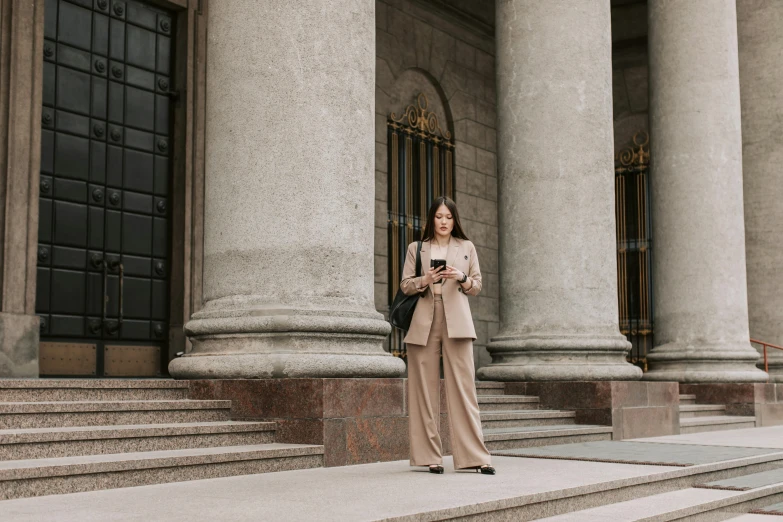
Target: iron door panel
x=103 y=224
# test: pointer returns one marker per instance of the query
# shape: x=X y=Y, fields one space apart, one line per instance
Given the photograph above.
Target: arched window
x=421 y=168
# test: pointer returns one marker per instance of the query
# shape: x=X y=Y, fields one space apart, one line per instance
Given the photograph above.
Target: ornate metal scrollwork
x=422 y=119
x=636 y=156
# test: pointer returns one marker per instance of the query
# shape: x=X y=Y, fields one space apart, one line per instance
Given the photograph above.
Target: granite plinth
x=633 y=408
x=356 y=420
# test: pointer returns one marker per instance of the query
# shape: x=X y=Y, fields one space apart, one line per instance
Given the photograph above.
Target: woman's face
x=444 y=221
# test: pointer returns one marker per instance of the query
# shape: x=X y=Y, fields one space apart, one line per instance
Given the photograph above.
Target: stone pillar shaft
x=700 y=307
x=558 y=293
x=761 y=77
x=21 y=80
x=288 y=250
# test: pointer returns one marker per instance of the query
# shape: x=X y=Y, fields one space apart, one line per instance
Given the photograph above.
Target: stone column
x=761 y=77
x=288 y=247
x=558 y=276
x=699 y=290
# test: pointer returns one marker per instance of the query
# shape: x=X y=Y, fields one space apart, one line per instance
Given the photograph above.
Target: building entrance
x=103 y=254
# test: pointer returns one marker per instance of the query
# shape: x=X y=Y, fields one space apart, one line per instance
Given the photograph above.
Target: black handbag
x=403 y=306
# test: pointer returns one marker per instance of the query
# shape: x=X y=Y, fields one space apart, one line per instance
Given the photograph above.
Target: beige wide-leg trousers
x=467 y=442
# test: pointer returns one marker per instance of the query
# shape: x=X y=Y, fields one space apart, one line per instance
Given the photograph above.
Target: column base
x=775 y=364
x=775 y=372
x=559 y=358
x=284 y=365
x=19 y=338
x=243 y=341
x=704 y=364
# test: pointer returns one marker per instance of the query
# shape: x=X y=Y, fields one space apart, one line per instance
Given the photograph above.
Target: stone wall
x=629 y=71
x=424 y=50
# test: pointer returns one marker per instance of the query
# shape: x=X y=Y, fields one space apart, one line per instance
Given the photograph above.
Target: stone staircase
x=744 y=498
x=66 y=436
x=698 y=418
x=514 y=421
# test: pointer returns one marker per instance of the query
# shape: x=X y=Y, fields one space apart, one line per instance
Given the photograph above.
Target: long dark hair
x=429 y=228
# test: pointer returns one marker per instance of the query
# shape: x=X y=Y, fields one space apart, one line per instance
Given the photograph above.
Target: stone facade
x=760 y=44
x=265 y=290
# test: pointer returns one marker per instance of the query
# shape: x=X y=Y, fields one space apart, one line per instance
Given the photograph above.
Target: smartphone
x=435 y=263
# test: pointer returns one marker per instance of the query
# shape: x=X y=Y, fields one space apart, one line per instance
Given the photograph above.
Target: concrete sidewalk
x=393 y=490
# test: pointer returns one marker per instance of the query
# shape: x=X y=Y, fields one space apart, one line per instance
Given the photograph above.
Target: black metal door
x=103 y=228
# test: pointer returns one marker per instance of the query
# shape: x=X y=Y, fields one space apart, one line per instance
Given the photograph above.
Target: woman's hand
x=433 y=275
x=452 y=273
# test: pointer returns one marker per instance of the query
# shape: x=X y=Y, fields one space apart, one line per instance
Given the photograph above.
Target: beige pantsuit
x=443 y=324
x=467 y=442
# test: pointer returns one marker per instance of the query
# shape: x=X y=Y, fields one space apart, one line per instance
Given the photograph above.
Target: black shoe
x=437 y=469
x=485 y=470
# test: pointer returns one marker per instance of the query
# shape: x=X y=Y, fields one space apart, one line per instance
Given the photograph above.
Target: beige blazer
x=461 y=255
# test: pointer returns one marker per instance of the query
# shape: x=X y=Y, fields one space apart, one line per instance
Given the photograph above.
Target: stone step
x=524 y=489
x=683 y=504
x=99 y=413
x=54 y=476
x=687 y=398
x=490 y=388
x=512 y=419
x=688 y=411
x=507 y=402
x=511 y=438
x=716 y=423
x=32 y=443
x=47 y=390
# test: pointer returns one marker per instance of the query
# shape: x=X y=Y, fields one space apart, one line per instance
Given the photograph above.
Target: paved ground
x=366 y=492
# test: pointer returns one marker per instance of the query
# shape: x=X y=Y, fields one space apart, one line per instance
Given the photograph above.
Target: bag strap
x=418 y=260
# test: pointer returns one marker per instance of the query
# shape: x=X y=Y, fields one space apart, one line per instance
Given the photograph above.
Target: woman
x=442 y=322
